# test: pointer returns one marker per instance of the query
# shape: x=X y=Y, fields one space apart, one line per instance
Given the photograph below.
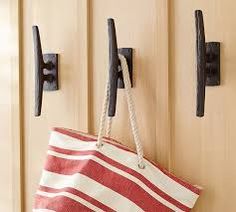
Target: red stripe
x=59 y=204
x=79 y=194
x=73 y=134
x=178 y=180
x=108 y=178
x=125 y=169
x=87 y=137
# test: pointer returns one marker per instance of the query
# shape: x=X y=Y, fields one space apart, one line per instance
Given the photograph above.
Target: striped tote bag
x=95 y=173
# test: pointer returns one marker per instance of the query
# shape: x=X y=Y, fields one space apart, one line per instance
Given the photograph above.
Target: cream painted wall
x=204 y=150
x=10 y=200
x=162 y=35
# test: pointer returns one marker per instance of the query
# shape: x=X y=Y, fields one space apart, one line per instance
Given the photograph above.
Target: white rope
x=108 y=130
x=132 y=115
x=103 y=115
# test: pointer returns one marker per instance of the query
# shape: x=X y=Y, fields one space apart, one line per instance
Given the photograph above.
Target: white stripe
x=90 y=187
x=42 y=210
x=129 y=159
x=118 y=171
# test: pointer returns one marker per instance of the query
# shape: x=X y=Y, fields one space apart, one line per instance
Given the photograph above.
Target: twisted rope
x=109 y=124
x=103 y=114
x=131 y=109
x=132 y=115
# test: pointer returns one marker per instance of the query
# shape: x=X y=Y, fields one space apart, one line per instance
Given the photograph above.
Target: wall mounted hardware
x=115 y=74
x=46 y=71
x=208 y=63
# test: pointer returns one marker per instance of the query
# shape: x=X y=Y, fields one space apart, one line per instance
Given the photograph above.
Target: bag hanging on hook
x=89 y=173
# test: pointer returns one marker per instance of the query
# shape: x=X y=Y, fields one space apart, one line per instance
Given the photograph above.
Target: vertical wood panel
x=163 y=102
x=63 y=28
x=203 y=150
x=17 y=128
x=136 y=26
x=10 y=194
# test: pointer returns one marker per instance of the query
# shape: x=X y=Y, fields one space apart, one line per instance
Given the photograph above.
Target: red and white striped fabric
x=80 y=176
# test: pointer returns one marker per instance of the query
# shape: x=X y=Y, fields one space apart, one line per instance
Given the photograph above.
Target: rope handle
x=132 y=116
